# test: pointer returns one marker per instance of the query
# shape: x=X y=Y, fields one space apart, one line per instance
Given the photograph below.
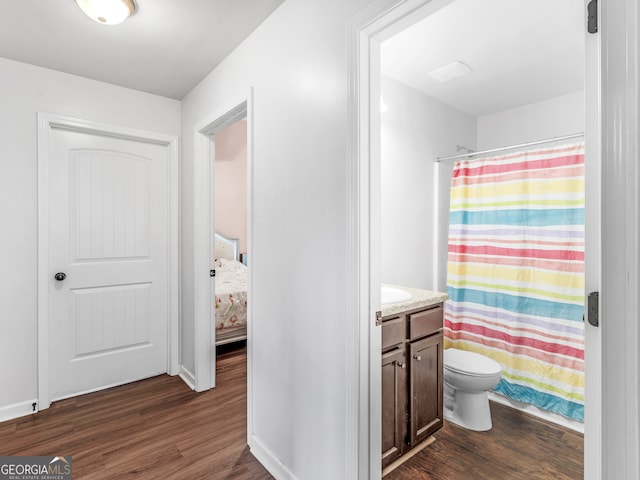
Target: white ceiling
x=521 y=51
x=166 y=48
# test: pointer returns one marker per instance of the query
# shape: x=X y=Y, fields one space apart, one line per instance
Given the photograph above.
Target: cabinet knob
x=417 y=357
x=402 y=365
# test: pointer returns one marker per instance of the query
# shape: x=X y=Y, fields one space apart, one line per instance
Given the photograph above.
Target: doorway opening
x=230 y=127
x=448 y=95
x=373 y=31
x=230 y=259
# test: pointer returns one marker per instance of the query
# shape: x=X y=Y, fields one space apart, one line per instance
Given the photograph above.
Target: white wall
x=416 y=129
x=24 y=91
x=230 y=190
x=550 y=118
x=296 y=62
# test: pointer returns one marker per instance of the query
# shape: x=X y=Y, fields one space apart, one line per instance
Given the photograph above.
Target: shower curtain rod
x=522 y=145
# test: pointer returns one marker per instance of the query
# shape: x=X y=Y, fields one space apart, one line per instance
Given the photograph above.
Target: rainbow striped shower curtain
x=515 y=275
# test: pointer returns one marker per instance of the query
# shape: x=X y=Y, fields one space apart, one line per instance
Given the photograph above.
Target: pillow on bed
x=224 y=264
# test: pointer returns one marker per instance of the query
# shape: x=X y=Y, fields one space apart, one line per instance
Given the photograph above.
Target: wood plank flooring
x=152 y=429
x=160 y=429
x=518 y=447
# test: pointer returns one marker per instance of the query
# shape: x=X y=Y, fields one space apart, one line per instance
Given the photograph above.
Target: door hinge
x=378 y=318
x=593 y=309
x=592 y=16
x=212 y=273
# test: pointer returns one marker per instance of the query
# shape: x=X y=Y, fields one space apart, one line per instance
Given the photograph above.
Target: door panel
x=108 y=232
x=424 y=386
x=109 y=195
x=394 y=404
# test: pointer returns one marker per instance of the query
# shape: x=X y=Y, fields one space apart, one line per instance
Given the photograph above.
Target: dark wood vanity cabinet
x=394 y=401
x=412 y=382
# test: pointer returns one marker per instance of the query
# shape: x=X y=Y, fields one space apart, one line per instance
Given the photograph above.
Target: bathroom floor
x=519 y=446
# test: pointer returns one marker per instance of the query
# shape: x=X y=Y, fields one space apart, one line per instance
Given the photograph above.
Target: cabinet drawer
x=425 y=322
x=393 y=332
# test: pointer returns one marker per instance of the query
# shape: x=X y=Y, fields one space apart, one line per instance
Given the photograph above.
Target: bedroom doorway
x=236 y=119
x=229 y=236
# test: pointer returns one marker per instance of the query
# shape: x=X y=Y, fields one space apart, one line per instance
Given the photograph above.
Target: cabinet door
x=425 y=387
x=394 y=404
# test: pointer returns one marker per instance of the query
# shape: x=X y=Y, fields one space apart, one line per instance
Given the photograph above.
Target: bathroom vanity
x=412 y=372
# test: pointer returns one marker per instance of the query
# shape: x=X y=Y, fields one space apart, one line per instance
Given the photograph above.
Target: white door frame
x=46 y=123
x=367 y=30
x=620 y=127
x=379 y=21
x=205 y=373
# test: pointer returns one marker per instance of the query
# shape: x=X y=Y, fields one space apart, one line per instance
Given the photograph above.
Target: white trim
x=22 y=409
x=377 y=22
x=268 y=460
x=620 y=243
x=250 y=317
x=43 y=261
x=240 y=107
x=204 y=335
x=187 y=377
x=47 y=122
x=175 y=275
x=593 y=414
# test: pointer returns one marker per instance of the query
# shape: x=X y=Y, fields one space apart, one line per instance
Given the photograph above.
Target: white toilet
x=468 y=376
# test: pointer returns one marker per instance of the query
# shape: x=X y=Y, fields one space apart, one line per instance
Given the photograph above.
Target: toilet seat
x=470 y=363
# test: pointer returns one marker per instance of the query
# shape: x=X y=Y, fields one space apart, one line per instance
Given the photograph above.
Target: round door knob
x=402 y=365
x=417 y=357
x=60 y=276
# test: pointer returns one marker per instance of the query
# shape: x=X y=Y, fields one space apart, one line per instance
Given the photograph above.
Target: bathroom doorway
x=388 y=25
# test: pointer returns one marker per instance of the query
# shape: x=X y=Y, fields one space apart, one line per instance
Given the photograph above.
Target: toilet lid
x=470 y=363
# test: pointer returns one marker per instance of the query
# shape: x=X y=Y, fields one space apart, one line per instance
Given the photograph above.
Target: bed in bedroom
x=230 y=292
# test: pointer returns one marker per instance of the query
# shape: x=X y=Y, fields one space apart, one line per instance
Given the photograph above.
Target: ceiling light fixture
x=450 y=71
x=108 y=12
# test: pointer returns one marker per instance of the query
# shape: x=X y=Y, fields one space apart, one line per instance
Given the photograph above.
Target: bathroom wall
x=550 y=118
x=416 y=129
x=230 y=189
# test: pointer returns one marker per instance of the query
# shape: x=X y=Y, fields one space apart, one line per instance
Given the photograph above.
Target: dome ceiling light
x=108 y=12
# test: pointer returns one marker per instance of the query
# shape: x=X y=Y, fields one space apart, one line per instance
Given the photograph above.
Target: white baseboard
x=537 y=412
x=187 y=377
x=17 y=410
x=269 y=461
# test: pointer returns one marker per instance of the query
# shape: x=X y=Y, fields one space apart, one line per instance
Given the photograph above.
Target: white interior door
x=108 y=206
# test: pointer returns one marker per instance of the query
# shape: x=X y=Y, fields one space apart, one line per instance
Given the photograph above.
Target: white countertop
x=419 y=299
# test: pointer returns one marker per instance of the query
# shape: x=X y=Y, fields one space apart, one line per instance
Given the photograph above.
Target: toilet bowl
x=468 y=376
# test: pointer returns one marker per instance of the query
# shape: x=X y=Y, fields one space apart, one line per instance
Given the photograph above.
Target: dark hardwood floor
x=160 y=429
x=152 y=429
x=518 y=447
